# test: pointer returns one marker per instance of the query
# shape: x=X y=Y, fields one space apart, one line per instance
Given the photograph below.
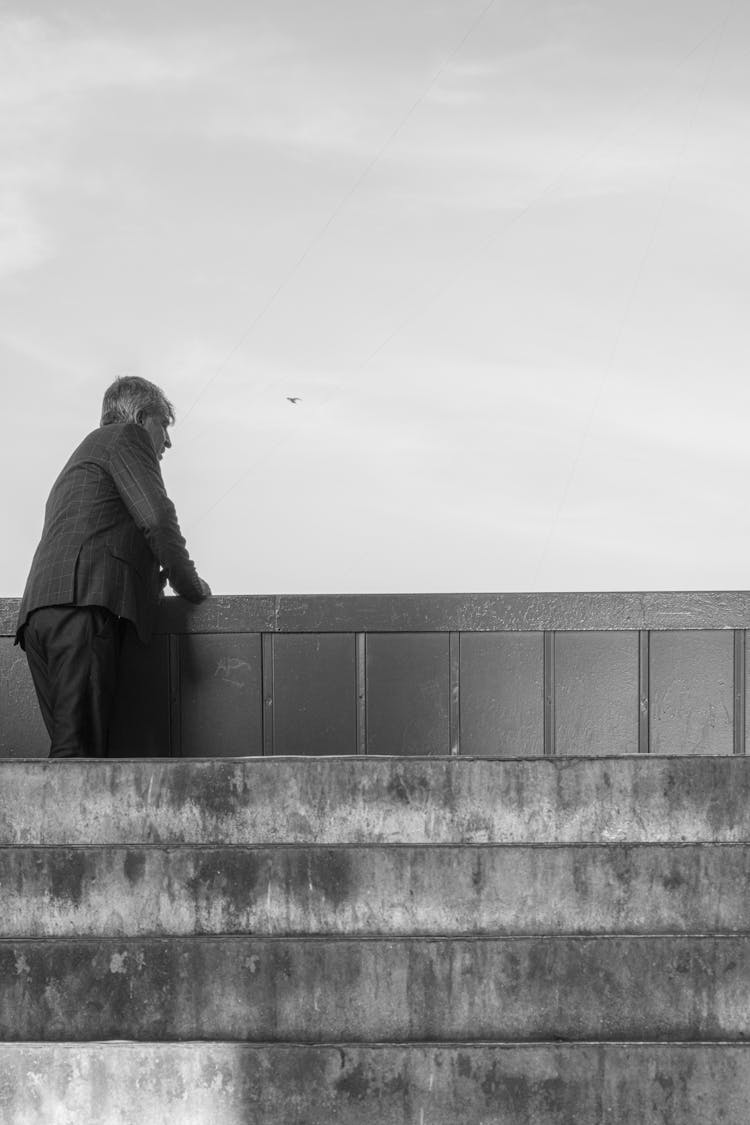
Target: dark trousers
x=74 y=654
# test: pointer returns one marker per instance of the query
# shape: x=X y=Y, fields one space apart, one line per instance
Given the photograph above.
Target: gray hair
x=130 y=396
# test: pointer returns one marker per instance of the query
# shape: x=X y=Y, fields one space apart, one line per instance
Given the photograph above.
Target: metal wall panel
x=220 y=695
x=408 y=693
x=692 y=692
x=22 y=732
x=314 y=693
x=596 y=693
x=141 y=726
x=502 y=694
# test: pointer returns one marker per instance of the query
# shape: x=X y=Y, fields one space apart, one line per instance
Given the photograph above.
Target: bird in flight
x=291 y=399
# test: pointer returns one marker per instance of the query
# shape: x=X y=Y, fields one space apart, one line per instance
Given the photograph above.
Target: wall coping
x=440 y=613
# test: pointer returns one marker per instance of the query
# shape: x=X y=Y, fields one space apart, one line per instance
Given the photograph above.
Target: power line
x=456 y=277
x=630 y=301
x=320 y=233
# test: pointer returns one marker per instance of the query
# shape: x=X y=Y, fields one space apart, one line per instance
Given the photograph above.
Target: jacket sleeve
x=135 y=471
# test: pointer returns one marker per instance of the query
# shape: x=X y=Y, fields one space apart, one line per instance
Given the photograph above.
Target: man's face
x=157 y=428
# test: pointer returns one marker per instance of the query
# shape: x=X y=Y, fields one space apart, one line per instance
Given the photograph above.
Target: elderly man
x=109 y=526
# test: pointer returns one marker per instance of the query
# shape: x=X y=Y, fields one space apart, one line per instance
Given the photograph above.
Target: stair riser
x=224 y=1084
x=390 y=890
x=408 y=989
x=441 y=800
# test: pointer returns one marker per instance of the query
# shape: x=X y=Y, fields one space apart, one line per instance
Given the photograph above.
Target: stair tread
x=375 y=800
x=364 y=1084
x=166 y=889
x=597 y=987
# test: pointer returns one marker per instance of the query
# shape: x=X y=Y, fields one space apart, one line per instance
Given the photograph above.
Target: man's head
x=132 y=399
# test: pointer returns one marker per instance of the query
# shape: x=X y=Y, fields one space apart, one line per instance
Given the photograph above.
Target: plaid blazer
x=108 y=525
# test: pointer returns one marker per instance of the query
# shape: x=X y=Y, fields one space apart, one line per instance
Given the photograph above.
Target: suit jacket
x=108 y=525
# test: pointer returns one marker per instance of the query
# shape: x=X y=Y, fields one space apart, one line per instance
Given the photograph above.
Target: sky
x=500 y=252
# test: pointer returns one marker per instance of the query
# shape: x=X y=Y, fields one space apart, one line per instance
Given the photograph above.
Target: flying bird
x=292 y=400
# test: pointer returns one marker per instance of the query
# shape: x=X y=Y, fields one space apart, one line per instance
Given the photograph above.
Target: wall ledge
x=386 y=613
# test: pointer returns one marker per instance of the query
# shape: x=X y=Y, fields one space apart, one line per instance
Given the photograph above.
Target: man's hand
x=205 y=588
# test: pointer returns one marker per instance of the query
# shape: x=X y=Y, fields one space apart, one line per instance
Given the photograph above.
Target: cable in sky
x=630 y=301
x=320 y=233
x=457 y=275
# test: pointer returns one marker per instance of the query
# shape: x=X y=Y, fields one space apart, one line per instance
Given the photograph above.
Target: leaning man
x=110 y=541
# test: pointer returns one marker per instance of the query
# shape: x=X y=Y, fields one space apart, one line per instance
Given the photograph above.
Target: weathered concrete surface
x=375 y=800
x=460 y=1084
x=347 y=613
x=386 y=889
x=315 y=989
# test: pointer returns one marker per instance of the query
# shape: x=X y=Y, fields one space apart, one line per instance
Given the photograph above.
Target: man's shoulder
x=104 y=439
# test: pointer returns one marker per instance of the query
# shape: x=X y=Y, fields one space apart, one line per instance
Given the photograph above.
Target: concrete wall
x=419 y=941
x=476 y=675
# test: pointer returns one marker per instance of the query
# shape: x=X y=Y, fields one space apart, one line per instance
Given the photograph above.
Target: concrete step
x=375 y=800
x=386 y=889
x=416 y=1084
x=323 y=989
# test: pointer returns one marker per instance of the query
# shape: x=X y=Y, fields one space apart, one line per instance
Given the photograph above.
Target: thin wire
x=630 y=301
x=455 y=277
x=320 y=233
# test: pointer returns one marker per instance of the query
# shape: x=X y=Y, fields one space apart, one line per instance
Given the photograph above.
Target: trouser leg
x=73 y=654
x=37 y=661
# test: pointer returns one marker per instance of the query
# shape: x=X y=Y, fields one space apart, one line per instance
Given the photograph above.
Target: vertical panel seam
x=738 y=745
x=361 y=689
x=454 y=674
x=644 y=691
x=549 y=694
x=267 y=690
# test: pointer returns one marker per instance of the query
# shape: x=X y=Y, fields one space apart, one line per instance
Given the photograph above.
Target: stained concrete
x=369 y=800
x=351 y=613
x=315 y=989
x=386 y=889
x=458 y=1084
x=199 y=844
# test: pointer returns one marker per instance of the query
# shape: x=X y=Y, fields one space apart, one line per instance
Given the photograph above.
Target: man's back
x=108 y=522
x=108 y=528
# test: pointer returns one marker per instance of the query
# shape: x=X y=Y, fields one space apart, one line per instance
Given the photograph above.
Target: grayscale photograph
x=374 y=585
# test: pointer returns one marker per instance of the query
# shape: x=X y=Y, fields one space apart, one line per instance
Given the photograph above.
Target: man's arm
x=164 y=578
x=135 y=471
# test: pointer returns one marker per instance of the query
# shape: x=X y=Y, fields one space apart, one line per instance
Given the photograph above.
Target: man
x=108 y=527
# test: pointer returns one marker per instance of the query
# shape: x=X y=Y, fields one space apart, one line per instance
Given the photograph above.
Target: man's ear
x=140 y=417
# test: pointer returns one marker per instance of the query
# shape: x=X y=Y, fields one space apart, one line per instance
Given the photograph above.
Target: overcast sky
x=500 y=252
